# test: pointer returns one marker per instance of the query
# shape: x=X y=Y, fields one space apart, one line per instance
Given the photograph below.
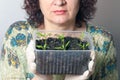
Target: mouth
x=60 y=12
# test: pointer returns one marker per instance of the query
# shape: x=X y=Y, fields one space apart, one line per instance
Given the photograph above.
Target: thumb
x=31 y=57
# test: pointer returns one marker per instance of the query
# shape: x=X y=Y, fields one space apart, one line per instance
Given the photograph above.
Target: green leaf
x=39 y=46
x=67 y=44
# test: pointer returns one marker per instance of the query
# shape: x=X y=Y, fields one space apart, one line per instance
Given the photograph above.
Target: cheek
x=74 y=6
x=74 y=11
x=45 y=8
x=44 y=5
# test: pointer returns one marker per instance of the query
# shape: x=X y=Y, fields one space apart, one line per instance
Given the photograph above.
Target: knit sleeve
x=110 y=63
x=106 y=61
x=13 y=59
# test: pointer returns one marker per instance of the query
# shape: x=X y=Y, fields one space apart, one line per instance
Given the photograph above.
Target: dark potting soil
x=68 y=43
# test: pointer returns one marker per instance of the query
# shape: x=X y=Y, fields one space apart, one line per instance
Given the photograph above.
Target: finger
x=30 y=51
x=72 y=77
x=92 y=55
x=85 y=75
x=32 y=67
x=91 y=66
x=30 y=55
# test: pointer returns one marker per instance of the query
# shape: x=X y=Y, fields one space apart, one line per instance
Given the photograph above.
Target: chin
x=60 y=20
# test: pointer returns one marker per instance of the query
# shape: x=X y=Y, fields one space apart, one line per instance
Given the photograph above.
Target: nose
x=59 y=2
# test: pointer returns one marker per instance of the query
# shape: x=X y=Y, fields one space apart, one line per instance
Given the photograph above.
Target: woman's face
x=59 y=11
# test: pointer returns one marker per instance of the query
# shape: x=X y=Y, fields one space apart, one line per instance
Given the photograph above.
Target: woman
x=55 y=15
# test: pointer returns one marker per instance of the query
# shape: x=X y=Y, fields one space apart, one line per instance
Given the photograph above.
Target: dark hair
x=86 y=11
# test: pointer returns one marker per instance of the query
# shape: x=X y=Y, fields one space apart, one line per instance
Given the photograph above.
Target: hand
x=32 y=65
x=87 y=73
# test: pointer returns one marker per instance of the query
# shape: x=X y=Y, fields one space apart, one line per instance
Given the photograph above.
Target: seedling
x=64 y=45
x=83 y=46
x=44 y=47
x=41 y=35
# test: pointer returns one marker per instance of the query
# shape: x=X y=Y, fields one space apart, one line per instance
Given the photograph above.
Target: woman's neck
x=57 y=26
x=53 y=27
